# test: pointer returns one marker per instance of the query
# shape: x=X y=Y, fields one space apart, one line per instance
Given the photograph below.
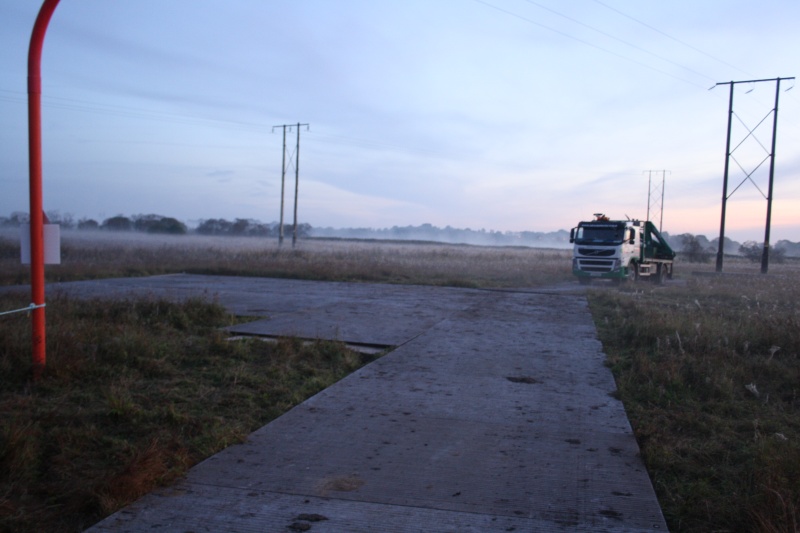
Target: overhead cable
x=668 y=36
x=587 y=43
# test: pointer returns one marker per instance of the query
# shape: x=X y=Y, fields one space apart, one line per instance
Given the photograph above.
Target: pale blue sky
x=495 y=114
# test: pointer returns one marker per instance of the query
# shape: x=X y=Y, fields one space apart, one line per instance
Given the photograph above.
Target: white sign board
x=52 y=244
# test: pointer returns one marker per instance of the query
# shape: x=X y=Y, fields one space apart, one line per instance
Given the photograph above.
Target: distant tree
x=693 y=251
x=240 y=226
x=257 y=229
x=66 y=221
x=16 y=219
x=791 y=249
x=777 y=255
x=730 y=245
x=158 y=224
x=754 y=250
x=145 y=222
x=751 y=250
x=88 y=224
x=169 y=226
x=117 y=223
x=214 y=226
x=303 y=230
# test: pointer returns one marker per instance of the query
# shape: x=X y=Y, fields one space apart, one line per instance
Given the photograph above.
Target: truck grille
x=596 y=265
x=589 y=252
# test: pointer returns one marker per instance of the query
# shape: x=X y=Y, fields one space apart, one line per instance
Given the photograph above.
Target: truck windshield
x=600 y=234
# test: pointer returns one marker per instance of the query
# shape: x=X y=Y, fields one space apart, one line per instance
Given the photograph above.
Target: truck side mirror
x=632 y=238
x=572 y=235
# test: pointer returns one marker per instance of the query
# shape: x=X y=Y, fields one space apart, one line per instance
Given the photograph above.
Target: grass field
x=709 y=375
x=138 y=391
x=87 y=255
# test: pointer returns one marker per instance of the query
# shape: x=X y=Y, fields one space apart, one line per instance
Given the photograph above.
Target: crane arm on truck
x=655 y=245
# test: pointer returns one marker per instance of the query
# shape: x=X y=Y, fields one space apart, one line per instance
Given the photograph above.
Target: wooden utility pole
x=296 y=178
x=283 y=183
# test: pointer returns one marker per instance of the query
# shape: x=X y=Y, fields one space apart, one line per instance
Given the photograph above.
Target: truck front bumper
x=599 y=268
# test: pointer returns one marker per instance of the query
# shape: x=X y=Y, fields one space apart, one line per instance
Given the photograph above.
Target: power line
x=176 y=118
x=610 y=36
x=587 y=43
x=53 y=102
x=372 y=143
x=668 y=36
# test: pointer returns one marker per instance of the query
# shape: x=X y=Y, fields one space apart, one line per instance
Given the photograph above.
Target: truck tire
x=661 y=274
x=633 y=272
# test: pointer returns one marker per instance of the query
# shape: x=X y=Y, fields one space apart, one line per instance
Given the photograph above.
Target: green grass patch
x=134 y=393
x=710 y=378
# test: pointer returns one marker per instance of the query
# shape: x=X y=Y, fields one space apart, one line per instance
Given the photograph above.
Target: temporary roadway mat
x=493 y=412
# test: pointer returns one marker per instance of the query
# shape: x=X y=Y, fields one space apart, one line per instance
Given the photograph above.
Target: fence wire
x=23 y=310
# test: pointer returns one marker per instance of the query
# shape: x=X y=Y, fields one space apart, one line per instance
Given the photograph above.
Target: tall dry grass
x=87 y=255
x=709 y=372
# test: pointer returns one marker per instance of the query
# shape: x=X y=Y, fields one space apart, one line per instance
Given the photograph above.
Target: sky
x=506 y=115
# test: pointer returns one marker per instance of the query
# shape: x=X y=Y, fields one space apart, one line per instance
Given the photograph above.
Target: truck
x=620 y=250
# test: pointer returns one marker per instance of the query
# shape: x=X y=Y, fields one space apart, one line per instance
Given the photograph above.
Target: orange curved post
x=35 y=184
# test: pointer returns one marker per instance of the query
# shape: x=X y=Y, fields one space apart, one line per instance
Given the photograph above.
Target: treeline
x=242 y=227
x=698 y=249
x=695 y=248
x=152 y=223
x=142 y=223
x=254 y=228
x=449 y=234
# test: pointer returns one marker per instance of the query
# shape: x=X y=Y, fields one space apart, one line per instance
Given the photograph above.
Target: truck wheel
x=661 y=274
x=633 y=272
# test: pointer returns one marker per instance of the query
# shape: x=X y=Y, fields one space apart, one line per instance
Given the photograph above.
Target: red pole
x=35 y=181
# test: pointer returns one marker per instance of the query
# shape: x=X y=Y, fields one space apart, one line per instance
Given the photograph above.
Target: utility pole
x=729 y=154
x=296 y=178
x=765 y=253
x=296 y=183
x=653 y=200
x=721 y=243
x=283 y=182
